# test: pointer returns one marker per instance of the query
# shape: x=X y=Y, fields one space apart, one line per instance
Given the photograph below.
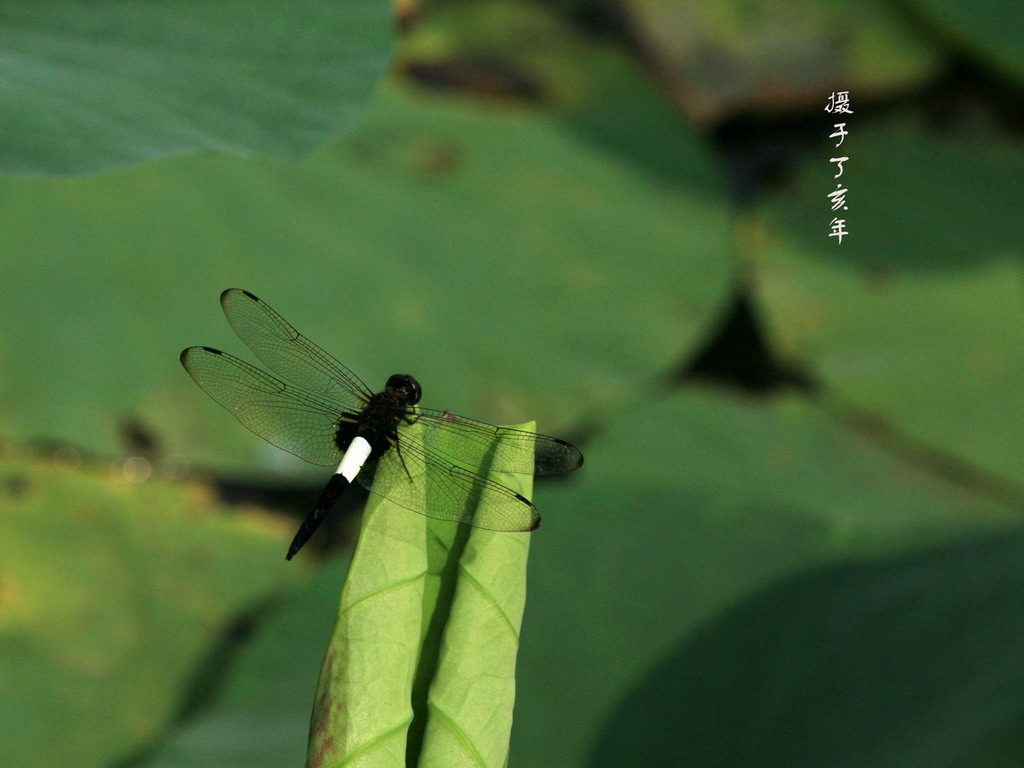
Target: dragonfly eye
x=404 y=386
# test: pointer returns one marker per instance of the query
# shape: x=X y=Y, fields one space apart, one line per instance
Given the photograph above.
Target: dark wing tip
x=569 y=460
x=535 y=524
x=573 y=449
x=189 y=351
x=228 y=293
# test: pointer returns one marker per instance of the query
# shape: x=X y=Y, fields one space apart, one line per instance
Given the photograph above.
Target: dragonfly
x=423 y=460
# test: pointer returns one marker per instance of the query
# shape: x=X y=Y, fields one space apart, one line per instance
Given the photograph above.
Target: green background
x=796 y=540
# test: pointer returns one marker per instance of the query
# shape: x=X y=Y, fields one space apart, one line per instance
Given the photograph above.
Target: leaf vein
x=377 y=593
x=460 y=735
x=372 y=742
x=485 y=593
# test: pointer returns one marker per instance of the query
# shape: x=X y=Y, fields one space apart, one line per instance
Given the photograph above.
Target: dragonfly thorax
x=378 y=421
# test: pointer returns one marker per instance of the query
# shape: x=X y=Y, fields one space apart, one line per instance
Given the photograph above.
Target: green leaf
x=259 y=717
x=90 y=86
x=409 y=246
x=589 y=83
x=911 y=662
x=911 y=318
x=904 y=215
x=735 y=57
x=112 y=595
x=990 y=32
x=685 y=509
x=421 y=667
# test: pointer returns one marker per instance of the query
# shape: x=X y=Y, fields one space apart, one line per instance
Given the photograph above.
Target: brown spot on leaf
x=480 y=76
x=16 y=486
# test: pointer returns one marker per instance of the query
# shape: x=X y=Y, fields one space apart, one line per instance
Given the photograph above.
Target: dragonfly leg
x=398 y=450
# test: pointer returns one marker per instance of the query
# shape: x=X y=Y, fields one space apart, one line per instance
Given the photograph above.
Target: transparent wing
x=471 y=443
x=427 y=484
x=281 y=414
x=290 y=354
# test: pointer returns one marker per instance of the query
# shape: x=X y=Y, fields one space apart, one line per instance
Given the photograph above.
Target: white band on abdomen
x=356 y=455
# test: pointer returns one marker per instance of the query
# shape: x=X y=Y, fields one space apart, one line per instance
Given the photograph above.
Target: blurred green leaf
x=421 y=667
x=259 y=718
x=912 y=662
x=682 y=510
x=112 y=595
x=412 y=246
x=917 y=199
x=588 y=82
x=724 y=59
x=993 y=32
x=911 y=317
x=90 y=86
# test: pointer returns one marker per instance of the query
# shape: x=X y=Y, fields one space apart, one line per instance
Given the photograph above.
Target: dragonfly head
x=404 y=387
